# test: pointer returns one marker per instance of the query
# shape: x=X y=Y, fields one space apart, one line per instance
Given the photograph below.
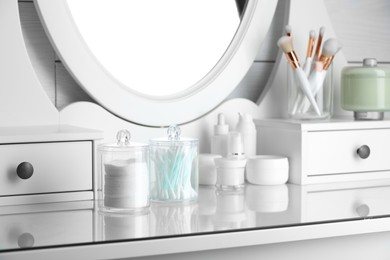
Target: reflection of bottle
x=220 y=137
x=230 y=210
x=247 y=128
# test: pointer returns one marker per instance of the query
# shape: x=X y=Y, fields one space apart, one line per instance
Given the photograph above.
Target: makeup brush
x=307 y=66
x=288 y=30
x=319 y=42
x=285 y=44
x=310 y=46
x=329 y=50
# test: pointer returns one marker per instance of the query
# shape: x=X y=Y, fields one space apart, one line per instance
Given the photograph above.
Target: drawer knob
x=25 y=170
x=363 y=210
x=26 y=240
x=363 y=151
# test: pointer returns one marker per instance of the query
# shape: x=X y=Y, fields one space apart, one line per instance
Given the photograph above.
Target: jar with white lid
x=123 y=178
x=174 y=167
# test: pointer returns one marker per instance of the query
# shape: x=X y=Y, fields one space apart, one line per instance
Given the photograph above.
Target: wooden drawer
x=57 y=167
x=333 y=152
x=45 y=229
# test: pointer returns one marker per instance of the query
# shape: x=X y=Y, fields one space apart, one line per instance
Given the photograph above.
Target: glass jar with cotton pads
x=174 y=167
x=123 y=175
x=267 y=170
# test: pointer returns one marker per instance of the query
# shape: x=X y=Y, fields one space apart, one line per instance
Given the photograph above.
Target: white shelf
x=48 y=133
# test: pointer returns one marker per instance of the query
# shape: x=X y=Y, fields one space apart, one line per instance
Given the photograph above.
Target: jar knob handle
x=123 y=137
x=174 y=132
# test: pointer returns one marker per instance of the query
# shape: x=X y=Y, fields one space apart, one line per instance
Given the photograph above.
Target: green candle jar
x=365 y=90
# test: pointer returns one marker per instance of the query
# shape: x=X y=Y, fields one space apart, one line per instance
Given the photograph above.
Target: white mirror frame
x=118 y=99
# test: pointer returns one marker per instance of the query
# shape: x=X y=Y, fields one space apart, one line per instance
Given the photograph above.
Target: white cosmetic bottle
x=247 y=128
x=220 y=138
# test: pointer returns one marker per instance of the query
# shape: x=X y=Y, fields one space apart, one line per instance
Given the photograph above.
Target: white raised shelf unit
x=328 y=150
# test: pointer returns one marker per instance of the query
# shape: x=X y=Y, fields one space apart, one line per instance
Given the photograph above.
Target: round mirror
x=156 y=62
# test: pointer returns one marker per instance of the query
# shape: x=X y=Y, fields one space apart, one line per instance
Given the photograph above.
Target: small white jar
x=230 y=173
x=267 y=170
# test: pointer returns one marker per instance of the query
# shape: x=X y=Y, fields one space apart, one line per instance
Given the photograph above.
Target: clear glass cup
x=321 y=87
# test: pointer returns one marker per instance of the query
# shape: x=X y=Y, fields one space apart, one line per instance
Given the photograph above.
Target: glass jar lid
x=123 y=143
x=173 y=138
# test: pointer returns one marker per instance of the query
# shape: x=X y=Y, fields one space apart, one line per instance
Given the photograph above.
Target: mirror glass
x=153 y=47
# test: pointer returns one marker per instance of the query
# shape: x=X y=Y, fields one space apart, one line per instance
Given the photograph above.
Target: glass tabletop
x=251 y=208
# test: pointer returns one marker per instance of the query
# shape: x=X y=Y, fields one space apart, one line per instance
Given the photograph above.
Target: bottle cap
x=221 y=128
x=370 y=62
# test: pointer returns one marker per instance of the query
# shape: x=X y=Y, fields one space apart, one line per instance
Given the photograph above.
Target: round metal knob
x=363 y=151
x=25 y=170
x=26 y=240
x=363 y=210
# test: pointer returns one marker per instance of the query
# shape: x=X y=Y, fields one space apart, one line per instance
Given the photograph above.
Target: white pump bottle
x=220 y=138
x=247 y=128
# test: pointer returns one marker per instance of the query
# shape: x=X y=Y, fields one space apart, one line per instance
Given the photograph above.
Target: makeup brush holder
x=321 y=85
x=123 y=178
x=174 y=167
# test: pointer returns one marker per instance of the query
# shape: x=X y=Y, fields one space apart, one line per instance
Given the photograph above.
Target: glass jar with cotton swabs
x=310 y=87
x=123 y=175
x=174 y=167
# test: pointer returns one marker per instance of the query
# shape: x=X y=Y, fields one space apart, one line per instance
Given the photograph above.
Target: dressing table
x=315 y=221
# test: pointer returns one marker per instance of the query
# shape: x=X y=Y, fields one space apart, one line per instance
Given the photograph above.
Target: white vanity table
x=257 y=220
x=334 y=221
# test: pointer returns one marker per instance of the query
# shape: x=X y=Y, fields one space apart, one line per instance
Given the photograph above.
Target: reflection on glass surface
x=113 y=226
x=158 y=48
x=254 y=207
x=175 y=219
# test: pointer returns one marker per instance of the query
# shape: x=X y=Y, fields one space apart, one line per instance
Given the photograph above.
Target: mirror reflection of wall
x=63 y=90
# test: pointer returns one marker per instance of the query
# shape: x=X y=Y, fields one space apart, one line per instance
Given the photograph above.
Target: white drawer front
x=58 y=167
x=45 y=229
x=335 y=152
x=352 y=203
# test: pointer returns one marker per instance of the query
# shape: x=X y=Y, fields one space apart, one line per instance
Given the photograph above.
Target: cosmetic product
x=308 y=62
x=285 y=43
x=267 y=170
x=207 y=170
x=123 y=183
x=247 y=129
x=219 y=139
x=230 y=170
x=365 y=90
x=174 y=167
